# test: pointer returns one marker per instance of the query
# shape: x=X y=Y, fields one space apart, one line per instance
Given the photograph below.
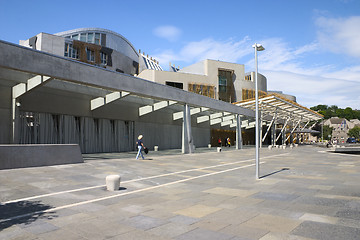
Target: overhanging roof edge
x=20 y=58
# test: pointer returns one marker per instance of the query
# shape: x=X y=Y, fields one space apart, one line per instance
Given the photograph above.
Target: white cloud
x=168 y=32
x=284 y=66
x=351 y=73
x=314 y=90
x=228 y=51
x=340 y=35
x=279 y=56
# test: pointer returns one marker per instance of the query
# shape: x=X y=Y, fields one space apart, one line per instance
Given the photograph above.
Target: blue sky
x=312 y=46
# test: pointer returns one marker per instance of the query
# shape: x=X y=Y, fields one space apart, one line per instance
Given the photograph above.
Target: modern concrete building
x=96 y=46
x=91 y=87
x=216 y=79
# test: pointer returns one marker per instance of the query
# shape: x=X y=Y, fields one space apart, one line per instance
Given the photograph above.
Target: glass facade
x=226 y=87
x=90 y=37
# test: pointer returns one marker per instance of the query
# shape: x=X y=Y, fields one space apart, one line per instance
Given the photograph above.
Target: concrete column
x=260 y=129
x=291 y=134
x=239 y=144
x=187 y=139
x=14 y=121
x=272 y=135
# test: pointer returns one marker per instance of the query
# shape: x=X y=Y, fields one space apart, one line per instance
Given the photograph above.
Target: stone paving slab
x=304 y=193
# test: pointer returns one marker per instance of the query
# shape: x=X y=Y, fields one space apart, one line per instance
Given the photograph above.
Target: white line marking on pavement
x=134 y=180
x=123 y=194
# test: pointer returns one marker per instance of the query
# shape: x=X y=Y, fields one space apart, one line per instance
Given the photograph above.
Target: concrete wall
x=50 y=44
x=204 y=72
x=47 y=43
x=197 y=68
x=163 y=76
x=122 y=62
x=19 y=156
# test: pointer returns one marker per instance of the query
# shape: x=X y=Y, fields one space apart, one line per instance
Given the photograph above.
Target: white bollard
x=209 y=145
x=283 y=146
x=218 y=149
x=112 y=182
x=156 y=148
x=269 y=147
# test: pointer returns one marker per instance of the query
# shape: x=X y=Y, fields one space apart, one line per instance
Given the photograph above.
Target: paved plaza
x=303 y=193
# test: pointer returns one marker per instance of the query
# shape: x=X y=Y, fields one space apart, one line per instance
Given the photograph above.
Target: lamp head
x=259 y=47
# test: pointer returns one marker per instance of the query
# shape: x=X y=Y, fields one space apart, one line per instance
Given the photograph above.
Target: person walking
x=140 y=146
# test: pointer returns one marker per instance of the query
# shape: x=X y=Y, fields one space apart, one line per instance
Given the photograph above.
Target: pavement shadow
x=23 y=212
x=278 y=171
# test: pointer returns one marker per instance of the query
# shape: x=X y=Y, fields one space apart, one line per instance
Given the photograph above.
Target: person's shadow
x=23 y=212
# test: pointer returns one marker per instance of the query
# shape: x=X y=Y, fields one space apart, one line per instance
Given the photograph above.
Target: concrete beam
x=193 y=111
x=202 y=119
x=101 y=101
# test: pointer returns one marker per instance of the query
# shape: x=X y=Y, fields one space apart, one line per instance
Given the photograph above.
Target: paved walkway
x=304 y=193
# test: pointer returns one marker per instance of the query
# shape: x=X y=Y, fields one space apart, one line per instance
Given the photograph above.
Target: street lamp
x=257 y=47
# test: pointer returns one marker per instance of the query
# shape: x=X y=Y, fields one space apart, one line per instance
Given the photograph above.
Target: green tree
x=326 y=131
x=335 y=111
x=354 y=132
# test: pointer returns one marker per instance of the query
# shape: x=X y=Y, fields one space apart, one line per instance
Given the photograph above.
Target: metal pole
x=256 y=116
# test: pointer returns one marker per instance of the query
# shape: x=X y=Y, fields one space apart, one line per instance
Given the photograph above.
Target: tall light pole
x=257 y=47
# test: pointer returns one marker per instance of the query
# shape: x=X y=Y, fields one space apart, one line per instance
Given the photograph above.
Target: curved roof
x=100 y=30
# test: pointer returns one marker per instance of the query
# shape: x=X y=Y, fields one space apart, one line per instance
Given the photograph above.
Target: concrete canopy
x=30 y=62
x=284 y=108
x=97 y=91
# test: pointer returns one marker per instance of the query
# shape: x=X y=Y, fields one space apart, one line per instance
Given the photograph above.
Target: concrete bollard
x=218 y=149
x=283 y=146
x=112 y=182
x=156 y=148
x=269 y=147
x=209 y=145
x=291 y=146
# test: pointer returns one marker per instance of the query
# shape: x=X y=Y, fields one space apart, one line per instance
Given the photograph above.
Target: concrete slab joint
x=112 y=182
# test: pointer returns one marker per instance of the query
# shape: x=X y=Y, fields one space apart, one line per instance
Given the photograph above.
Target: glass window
x=66 y=52
x=222 y=83
x=90 y=38
x=75 y=36
x=97 y=38
x=70 y=51
x=90 y=55
x=103 y=57
x=83 y=37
